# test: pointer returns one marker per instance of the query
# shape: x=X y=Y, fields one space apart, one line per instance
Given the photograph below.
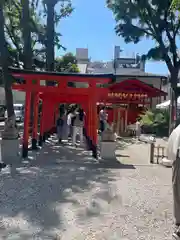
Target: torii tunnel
x=34 y=83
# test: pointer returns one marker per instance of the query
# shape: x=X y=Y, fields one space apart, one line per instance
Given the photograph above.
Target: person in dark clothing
x=59 y=125
x=60 y=122
x=2 y=165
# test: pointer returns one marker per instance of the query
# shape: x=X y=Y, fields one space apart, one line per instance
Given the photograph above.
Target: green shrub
x=155 y=122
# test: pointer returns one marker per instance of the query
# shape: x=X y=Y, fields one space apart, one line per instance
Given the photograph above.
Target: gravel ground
x=62 y=193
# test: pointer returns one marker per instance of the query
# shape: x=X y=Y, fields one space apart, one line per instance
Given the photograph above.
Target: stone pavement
x=62 y=193
x=132 y=151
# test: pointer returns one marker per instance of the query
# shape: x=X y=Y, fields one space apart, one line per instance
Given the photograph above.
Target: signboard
x=126 y=96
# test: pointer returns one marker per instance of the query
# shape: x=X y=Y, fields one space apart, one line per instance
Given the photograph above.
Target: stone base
x=34 y=144
x=24 y=151
x=10 y=151
x=94 y=151
x=40 y=140
x=165 y=162
x=107 y=150
x=44 y=137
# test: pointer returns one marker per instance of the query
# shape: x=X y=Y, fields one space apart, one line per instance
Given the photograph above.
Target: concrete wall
x=167 y=88
x=18 y=96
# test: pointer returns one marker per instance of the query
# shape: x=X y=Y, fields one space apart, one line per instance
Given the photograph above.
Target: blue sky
x=91 y=26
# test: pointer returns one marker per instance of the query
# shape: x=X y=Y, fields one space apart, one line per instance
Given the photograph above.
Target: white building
x=18 y=96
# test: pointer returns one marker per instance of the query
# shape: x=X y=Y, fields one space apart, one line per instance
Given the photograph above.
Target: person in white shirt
x=138 y=128
x=78 y=125
x=174 y=155
x=102 y=119
x=69 y=124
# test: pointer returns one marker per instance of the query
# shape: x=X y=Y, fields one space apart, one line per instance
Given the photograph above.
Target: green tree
x=67 y=63
x=38 y=28
x=10 y=130
x=53 y=17
x=14 y=25
x=140 y=19
x=156 y=121
x=175 y=4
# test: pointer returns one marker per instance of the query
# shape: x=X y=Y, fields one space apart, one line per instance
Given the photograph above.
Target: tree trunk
x=171 y=111
x=50 y=37
x=10 y=131
x=173 y=100
x=26 y=30
x=50 y=31
x=175 y=104
x=27 y=51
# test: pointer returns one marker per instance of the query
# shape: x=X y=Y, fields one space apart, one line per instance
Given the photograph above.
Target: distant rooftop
x=107 y=68
x=134 y=67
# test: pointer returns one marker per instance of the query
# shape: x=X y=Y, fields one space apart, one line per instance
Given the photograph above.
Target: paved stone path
x=62 y=193
x=132 y=151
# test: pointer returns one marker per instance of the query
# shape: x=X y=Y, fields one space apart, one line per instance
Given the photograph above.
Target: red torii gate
x=35 y=82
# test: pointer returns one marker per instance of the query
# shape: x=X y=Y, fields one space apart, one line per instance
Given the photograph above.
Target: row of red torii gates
x=87 y=95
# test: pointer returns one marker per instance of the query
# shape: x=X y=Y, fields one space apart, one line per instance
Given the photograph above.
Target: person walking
x=78 y=125
x=138 y=129
x=69 y=123
x=173 y=154
x=60 y=123
x=102 y=119
x=2 y=165
x=59 y=126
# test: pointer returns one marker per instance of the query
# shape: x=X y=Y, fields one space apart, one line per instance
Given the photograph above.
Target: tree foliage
x=53 y=16
x=175 y=5
x=155 y=117
x=138 y=19
x=67 y=63
x=38 y=27
x=13 y=30
x=153 y=19
x=156 y=121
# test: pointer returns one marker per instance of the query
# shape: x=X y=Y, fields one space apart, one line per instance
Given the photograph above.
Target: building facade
x=123 y=68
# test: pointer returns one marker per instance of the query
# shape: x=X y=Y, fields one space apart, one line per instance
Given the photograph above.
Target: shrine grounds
x=61 y=192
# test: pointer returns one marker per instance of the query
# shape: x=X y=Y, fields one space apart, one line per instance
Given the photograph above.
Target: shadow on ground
x=31 y=191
